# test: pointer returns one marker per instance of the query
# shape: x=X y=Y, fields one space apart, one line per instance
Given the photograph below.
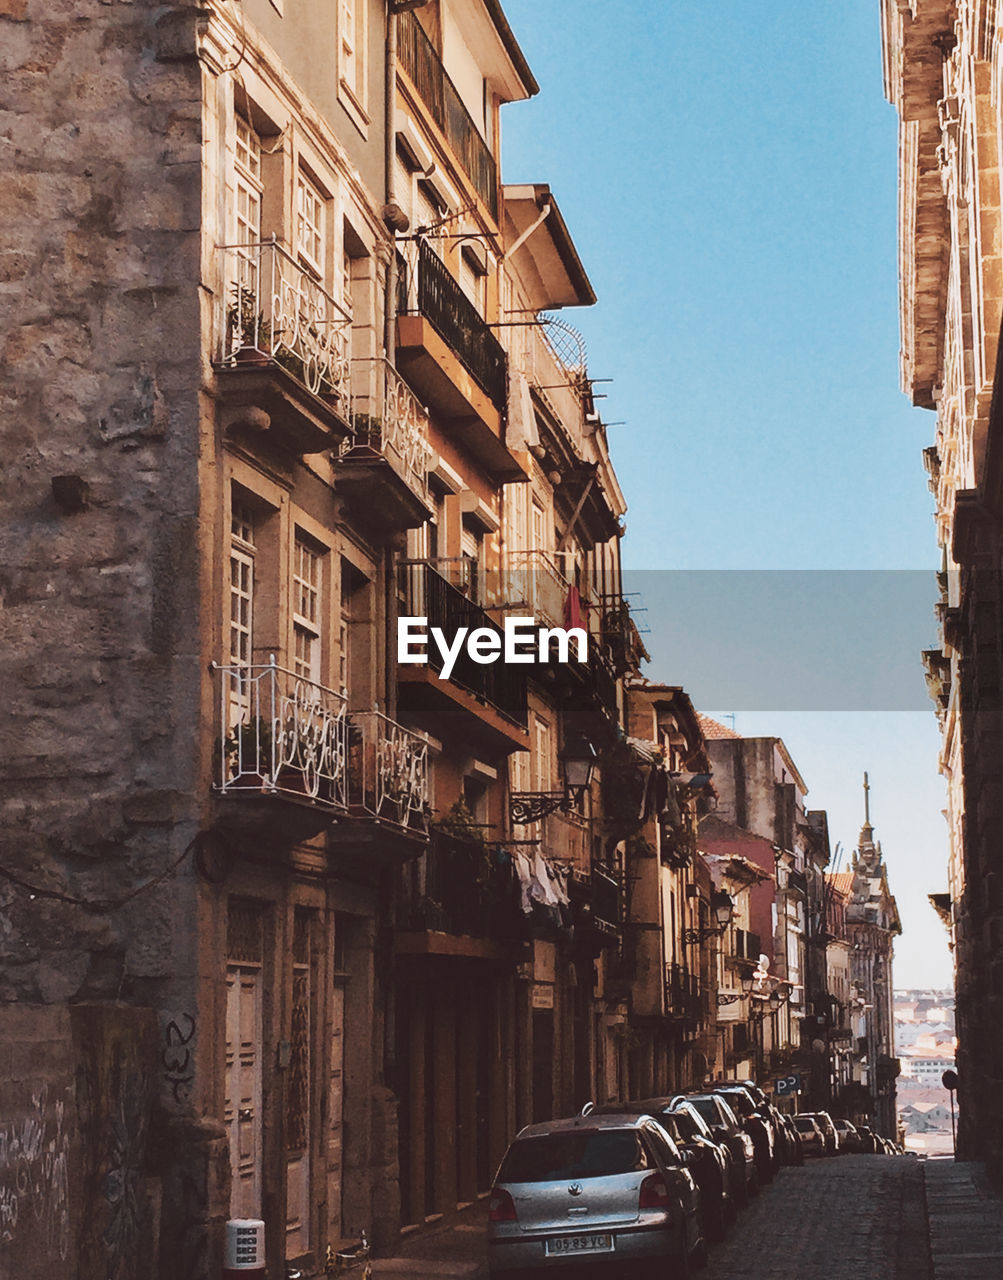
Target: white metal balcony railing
x=535 y=582
x=560 y=382
x=275 y=308
x=388 y=770
x=388 y=417
x=282 y=733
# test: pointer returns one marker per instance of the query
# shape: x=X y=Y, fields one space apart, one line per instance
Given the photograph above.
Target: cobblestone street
x=855 y=1218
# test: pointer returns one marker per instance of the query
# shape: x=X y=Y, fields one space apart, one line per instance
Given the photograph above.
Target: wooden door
x=242 y=1106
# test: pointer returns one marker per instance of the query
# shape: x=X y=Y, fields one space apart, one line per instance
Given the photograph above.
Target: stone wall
x=99 y=335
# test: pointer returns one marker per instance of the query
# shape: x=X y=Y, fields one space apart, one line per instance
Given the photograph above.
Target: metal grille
x=245 y=931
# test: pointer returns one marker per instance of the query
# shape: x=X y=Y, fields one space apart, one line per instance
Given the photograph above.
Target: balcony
x=567 y=838
x=684 y=998
x=382 y=471
x=535 y=583
x=387 y=772
x=449 y=355
x=282 y=360
x=300 y=763
x=597 y=898
x=797 y=882
x=747 y=946
x=283 y=751
x=485 y=701
x=462 y=899
x=421 y=64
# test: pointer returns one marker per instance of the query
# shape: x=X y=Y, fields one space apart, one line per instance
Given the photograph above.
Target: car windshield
x=594 y=1153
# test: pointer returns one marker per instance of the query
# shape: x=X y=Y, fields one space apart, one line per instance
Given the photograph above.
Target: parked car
x=812 y=1138
x=725 y=1127
x=868 y=1139
x=756 y=1123
x=849 y=1138
x=795 y=1148
x=710 y=1160
x=824 y=1121
x=609 y=1190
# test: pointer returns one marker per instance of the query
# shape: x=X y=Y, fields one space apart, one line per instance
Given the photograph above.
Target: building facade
x=942 y=73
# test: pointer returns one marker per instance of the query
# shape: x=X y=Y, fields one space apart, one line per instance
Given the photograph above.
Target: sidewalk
x=456 y=1248
x=965 y=1222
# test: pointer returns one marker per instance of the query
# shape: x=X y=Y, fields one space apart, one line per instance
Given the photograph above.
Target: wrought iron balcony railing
x=683 y=994
x=798 y=881
x=388 y=417
x=388 y=770
x=282 y=734
x=535 y=582
x=424 y=69
x=274 y=310
x=427 y=594
x=426 y=288
x=462 y=887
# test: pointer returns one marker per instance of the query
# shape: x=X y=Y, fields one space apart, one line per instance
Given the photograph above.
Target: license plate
x=591 y=1243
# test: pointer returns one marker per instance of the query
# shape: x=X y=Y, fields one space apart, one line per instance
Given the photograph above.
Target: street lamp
x=723 y=907
x=577 y=759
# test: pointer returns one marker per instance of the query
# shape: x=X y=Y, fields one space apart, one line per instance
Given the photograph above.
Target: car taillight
x=654 y=1194
x=501 y=1207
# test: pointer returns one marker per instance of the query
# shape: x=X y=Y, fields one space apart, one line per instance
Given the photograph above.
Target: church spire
x=866 y=831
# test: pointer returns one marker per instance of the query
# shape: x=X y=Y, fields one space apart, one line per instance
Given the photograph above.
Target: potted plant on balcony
x=248 y=333
x=247 y=750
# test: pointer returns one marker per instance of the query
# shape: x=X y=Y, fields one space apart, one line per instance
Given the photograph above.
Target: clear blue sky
x=728 y=172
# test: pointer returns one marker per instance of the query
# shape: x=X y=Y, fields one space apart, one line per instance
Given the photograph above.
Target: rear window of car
x=553 y=1157
x=805 y=1124
x=740 y=1102
x=707 y=1107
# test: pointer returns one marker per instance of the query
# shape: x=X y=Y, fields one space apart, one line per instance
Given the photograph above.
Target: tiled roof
x=712 y=729
x=841 y=881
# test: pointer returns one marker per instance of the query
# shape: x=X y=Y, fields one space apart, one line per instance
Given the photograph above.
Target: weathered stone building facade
x=942 y=73
x=292 y=931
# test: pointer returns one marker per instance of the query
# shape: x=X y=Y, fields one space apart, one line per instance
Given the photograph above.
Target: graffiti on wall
x=34 y=1182
x=177 y=1056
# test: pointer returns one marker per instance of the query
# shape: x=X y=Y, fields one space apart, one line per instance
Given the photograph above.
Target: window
x=307 y=563
x=242 y=551
x=310 y=206
x=352 y=50
x=246 y=201
x=541 y=754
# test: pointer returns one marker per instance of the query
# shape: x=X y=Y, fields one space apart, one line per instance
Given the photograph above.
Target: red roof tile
x=712 y=729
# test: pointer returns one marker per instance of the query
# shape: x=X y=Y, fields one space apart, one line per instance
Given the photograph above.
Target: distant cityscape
x=925 y=1046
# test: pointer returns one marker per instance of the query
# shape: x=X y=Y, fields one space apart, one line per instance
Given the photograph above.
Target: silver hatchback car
x=611 y=1191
